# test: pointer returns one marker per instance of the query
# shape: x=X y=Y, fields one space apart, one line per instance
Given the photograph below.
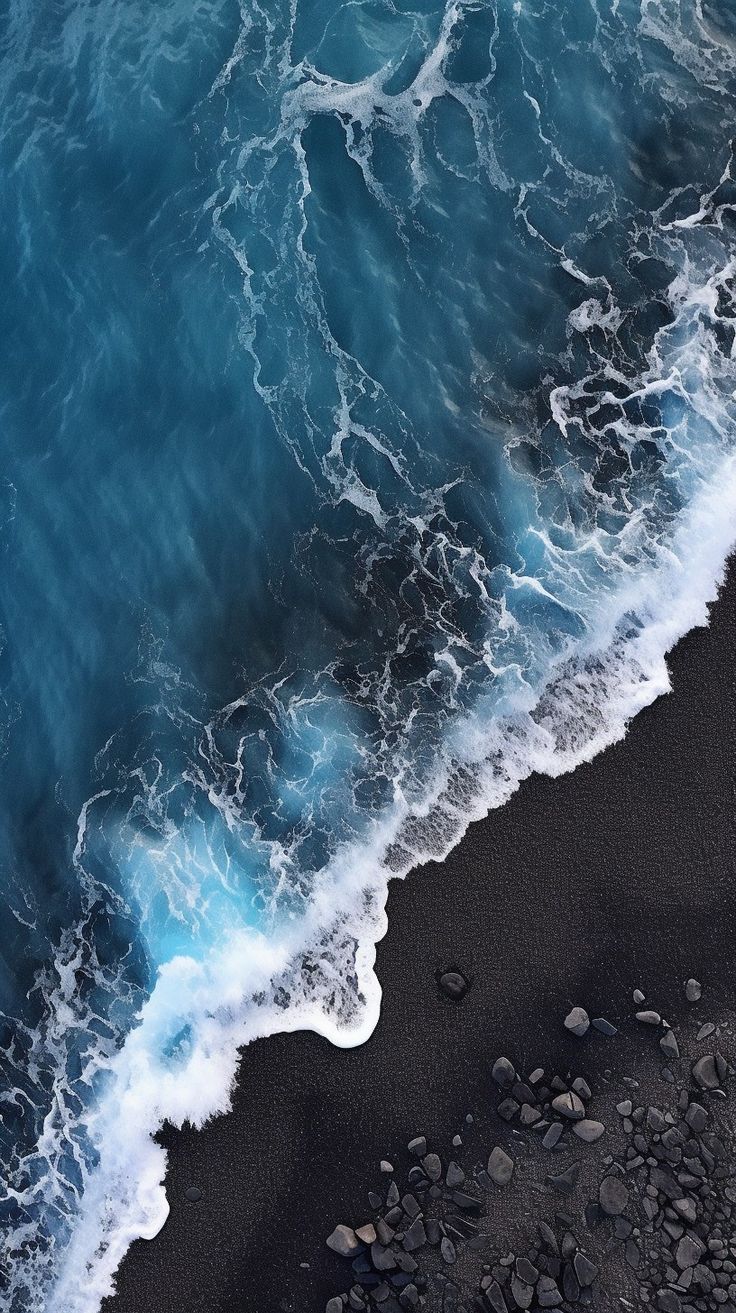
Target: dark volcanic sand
x=620 y=874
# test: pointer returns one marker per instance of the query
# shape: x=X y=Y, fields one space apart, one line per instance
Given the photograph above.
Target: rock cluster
x=649 y=1223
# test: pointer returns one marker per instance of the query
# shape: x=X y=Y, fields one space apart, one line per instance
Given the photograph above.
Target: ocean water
x=367 y=425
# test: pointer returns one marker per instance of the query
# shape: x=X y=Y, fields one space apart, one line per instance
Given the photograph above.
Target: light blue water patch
x=355 y=359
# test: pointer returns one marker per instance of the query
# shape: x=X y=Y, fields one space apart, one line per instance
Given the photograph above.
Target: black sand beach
x=580 y=889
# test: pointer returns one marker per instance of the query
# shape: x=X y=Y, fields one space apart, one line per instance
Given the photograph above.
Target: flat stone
x=386 y=1166
x=693 y=990
x=688 y=1252
x=508 y=1109
x=649 y=1017
x=588 y=1130
x=382 y=1258
x=453 y=984
x=526 y=1271
x=500 y=1166
x=529 y=1115
x=552 y=1136
x=193 y=1194
x=577 y=1021
x=705 y=1072
x=548 y=1293
x=668 y=1301
x=569 y=1105
x=334 y=1305
x=604 y=1026
x=686 y=1209
x=522 y=1293
x=613 y=1195
x=415 y=1236
x=454 y=1176
x=344 y=1242
x=447 y=1250
x=639 y=997
x=565 y=1182
x=625 y=1107
x=582 y=1088
x=366 y=1233
x=418 y=1146
x=495 y=1299
x=585 y=1271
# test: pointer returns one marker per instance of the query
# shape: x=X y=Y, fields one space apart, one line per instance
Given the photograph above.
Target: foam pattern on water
x=368 y=440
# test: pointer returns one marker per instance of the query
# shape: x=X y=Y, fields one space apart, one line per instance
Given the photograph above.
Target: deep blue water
x=366 y=377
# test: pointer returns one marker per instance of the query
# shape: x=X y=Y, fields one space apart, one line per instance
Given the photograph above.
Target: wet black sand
x=581 y=888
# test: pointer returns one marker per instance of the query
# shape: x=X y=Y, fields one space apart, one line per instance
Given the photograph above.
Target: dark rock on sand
x=453 y=984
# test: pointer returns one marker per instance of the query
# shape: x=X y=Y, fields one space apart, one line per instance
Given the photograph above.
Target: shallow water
x=367 y=404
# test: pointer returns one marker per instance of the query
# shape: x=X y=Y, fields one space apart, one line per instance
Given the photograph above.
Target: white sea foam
x=237 y=994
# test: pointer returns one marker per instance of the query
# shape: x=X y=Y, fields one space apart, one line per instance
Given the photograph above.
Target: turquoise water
x=364 y=365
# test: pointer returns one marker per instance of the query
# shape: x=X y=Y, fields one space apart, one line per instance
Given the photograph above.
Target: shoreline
x=535 y=907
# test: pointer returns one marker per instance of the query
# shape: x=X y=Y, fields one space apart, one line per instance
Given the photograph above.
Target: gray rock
x=432 y=1166
x=577 y=1021
x=529 y=1115
x=382 y=1258
x=366 y=1234
x=522 y=1293
x=386 y=1166
x=548 y=1293
x=455 y=1176
x=668 y=1301
x=193 y=1194
x=526 y=1271
x=688 y=1252
x=585 y=1271
x=669 y=1045
x=639 y=997
x=604 y=1026
x=693 y=990
x=508 y=1109
x=613 y=1195
x=334 y=1305
x=686 y=1209
x=705 y=1072
x=447 y=1249
x=344 y=1242
x=495 y=1299
x=453 y=984
x=565 y=1182
x=648 y=1017
x=696 y=1117
x=588 y=1130
x=456 y=1141
x=625 y=1108
x=500 y=1166
x=552 y=1136
x=503 y=1072
x=569 y=1105
x=415 y=1236
x=582 y=1088
x=418 y=1146
x=705 y=1030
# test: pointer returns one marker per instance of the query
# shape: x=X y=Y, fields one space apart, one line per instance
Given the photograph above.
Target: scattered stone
x=418 y=1146
x=415 y=1236
x=639 y=997
x=577 y=1021
x=366 y=1234
x=585 y=1271
x=503 y=1073
x=705 y=1031
x=432 y=1166
x=625 y=1108
x=613 y=1195
x=508 y=1109
x=569 y=1105
x=693 y=990
x=605 y=1027
x=552 y=1135
x=344 y=1242
x=453 y=984
x=649 y=1018
x=193 y=1194
x=523 y=1294
x=548 y=1293
x=334 y=1306
x=588 y=1130
x=456 y=1141
x=500 y=1166
x=705 y=1072
x=386 y=1166
x=454 y=1176
x=447 y=1249
x=668 y=1044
